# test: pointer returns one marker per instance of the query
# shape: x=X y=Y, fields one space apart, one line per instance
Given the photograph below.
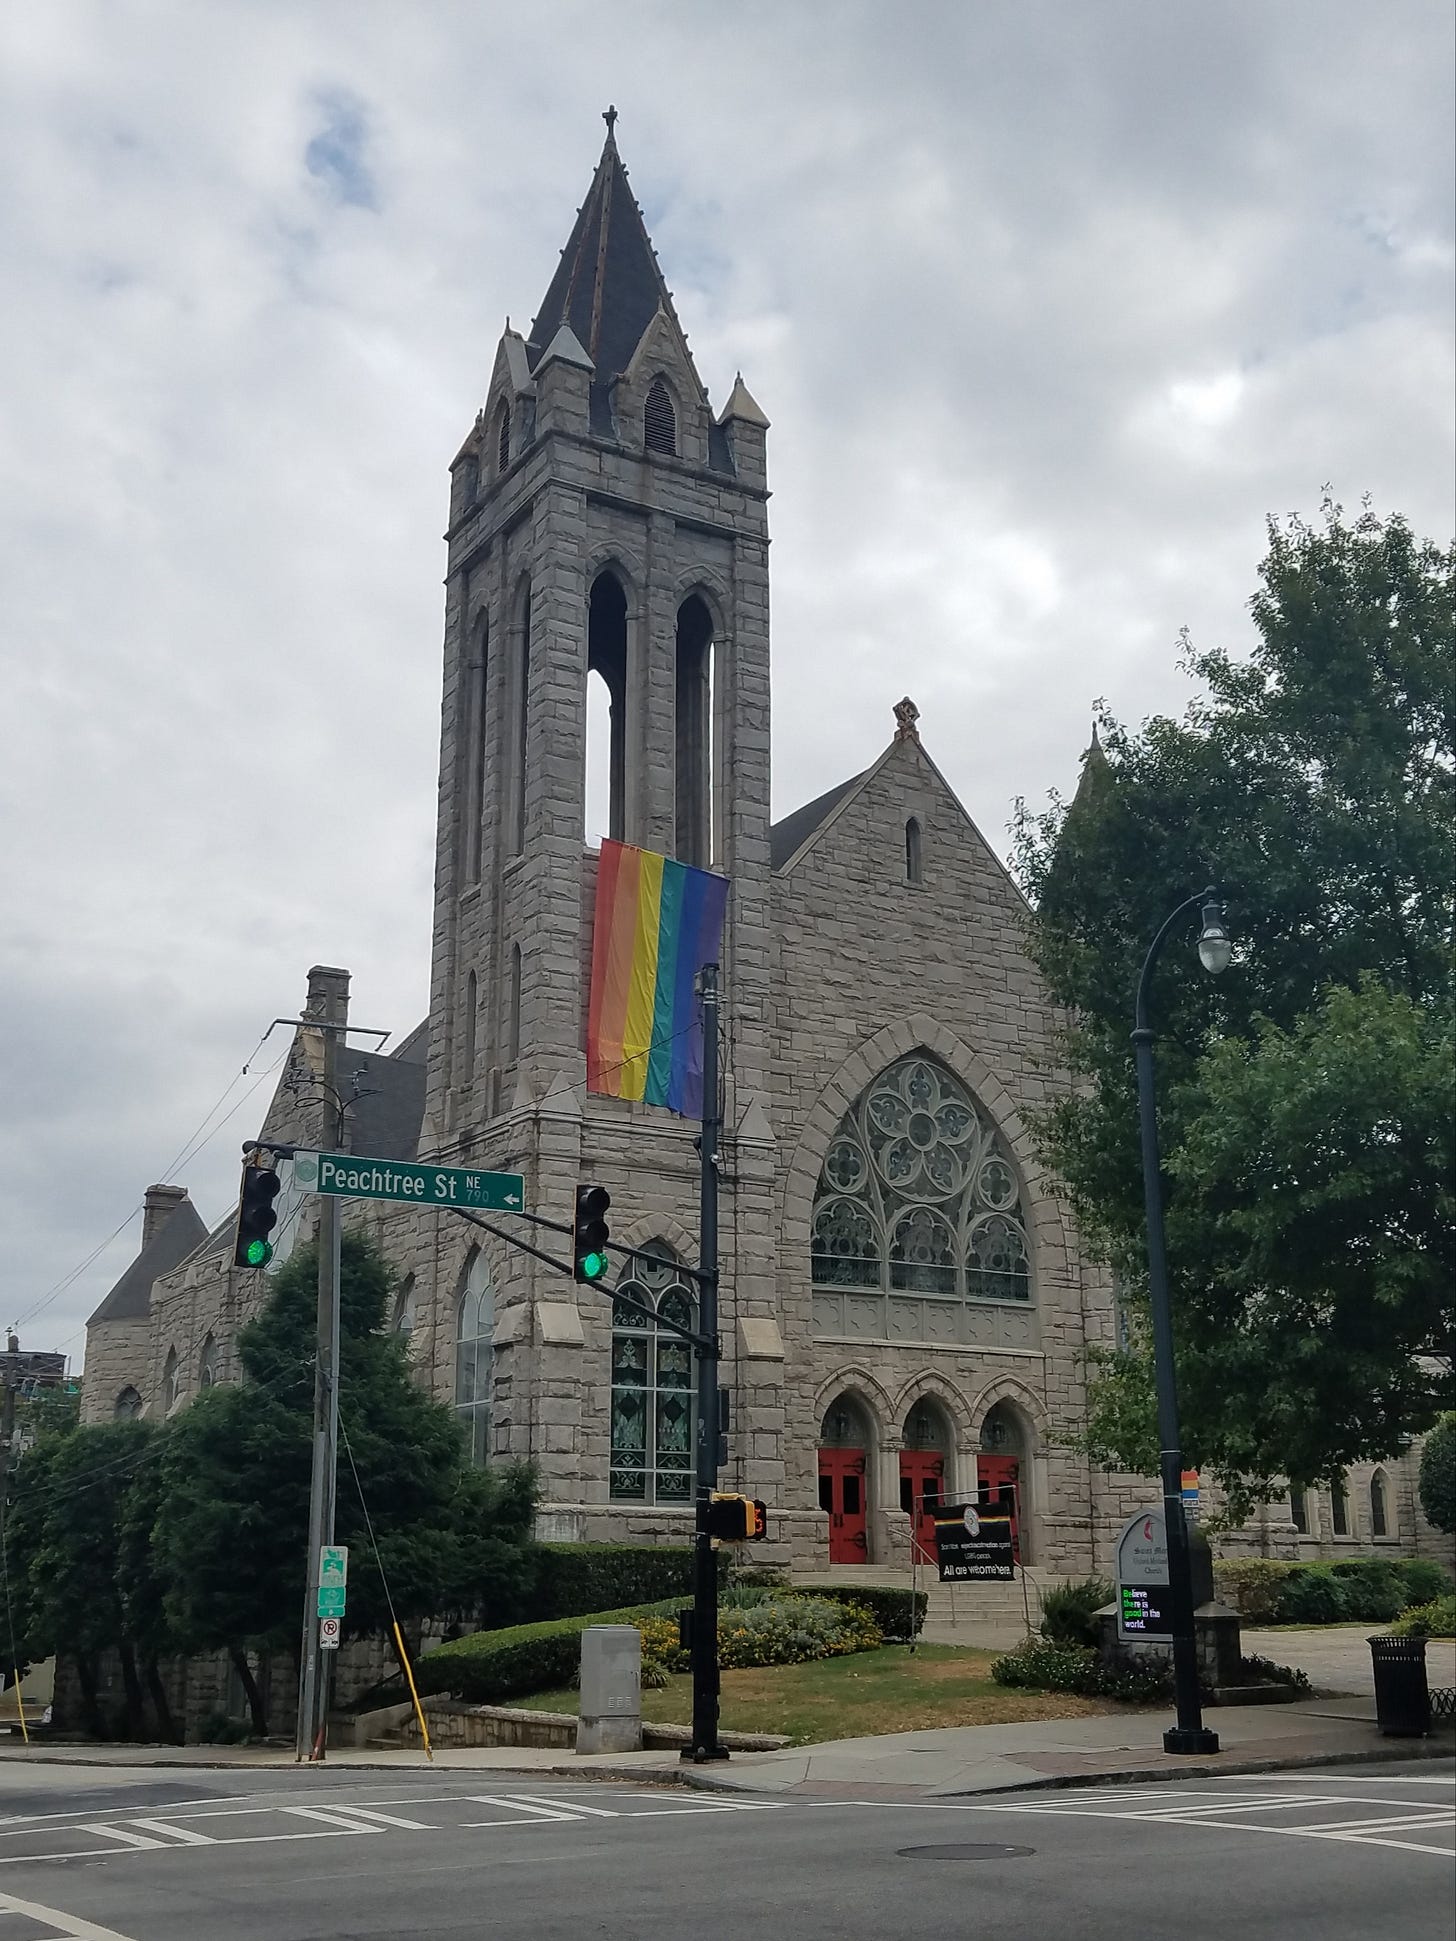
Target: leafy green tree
x=1438 y=1476
x=231 y=1524
x=64 y=1537
x=1303 y=1096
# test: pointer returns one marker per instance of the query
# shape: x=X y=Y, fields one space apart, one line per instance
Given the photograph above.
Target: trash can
x=1402 y=1697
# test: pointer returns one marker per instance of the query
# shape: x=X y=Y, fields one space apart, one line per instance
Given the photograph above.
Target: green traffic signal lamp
x=590 y=1234
x=256 y=1215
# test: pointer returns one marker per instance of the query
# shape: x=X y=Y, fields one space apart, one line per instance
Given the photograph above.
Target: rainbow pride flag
x=657 y=923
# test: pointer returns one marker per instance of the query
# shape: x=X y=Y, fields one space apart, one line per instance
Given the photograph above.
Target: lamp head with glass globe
x=1214 y=948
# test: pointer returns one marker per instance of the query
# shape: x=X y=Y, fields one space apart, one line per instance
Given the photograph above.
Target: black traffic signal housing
x=736 y=1519
x=590 y=1234
x=256 y=1216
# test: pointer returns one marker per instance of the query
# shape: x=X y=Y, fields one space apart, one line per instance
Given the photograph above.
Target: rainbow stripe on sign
x=657 y=923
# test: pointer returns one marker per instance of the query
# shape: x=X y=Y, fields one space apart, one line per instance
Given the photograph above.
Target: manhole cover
x=965 y=1851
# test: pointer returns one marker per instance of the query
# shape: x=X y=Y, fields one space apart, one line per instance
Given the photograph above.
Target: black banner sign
x=973 y=1543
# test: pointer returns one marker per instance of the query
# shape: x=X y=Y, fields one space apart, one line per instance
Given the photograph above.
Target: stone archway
x=1005 y=1460
x=927 y=1471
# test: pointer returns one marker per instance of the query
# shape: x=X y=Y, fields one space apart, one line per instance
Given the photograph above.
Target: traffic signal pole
x=705 y=1742
x=313 y=1695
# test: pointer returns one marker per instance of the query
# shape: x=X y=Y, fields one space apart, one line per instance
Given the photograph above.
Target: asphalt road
x=380 y=1856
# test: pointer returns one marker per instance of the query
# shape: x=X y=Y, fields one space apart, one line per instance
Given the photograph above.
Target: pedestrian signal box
x=736 y=1519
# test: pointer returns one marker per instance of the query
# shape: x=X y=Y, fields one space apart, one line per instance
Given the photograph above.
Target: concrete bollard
x=609 y=1714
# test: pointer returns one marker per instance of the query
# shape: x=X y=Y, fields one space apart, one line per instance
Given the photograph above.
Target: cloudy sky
x=1049 y=305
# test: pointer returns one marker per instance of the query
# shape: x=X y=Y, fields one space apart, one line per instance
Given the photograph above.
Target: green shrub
x=1434 y=1620
x=1424 y=1579
x=1372 y=1588
x=492 y=1667
x=1437 y=1484
x=1252 y=1585
x=785 y=1630
x=888 y=1606
x=1263 y=1671
x=579 y=1578
x=1040 y=1665
x=1068 y=1613
x=1312 y=1594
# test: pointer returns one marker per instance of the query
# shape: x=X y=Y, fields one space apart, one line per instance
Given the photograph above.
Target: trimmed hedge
x=888 y=1606
x=1041 y=1665
x=490 y=1667
x=787 y=1630
x=577 y=1579
x=1368 y=1590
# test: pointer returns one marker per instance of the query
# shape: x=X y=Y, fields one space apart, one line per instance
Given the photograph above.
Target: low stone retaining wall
x=453 y=1723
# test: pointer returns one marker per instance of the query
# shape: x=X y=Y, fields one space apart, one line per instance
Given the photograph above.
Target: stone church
x=905 y=1298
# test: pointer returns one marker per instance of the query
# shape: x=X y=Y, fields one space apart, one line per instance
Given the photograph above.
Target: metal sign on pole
x=329 y=1628
x=352 y=1176
x=973 y=1544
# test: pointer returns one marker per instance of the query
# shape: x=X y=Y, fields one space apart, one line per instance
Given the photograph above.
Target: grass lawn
x=889 y=1690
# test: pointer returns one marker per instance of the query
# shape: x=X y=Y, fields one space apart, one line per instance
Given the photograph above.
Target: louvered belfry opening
x=503 y=438
x=659 y=420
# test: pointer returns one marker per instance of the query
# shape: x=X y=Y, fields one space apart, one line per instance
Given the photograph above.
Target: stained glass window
x=652 y=1387
x=919 y=1202
x=473 y=1357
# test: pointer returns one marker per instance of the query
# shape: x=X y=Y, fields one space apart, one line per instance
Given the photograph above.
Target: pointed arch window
x=169 y=1382
x=207 y=1369
x=1339 y=1509
x=659 y=419
x=127 y=1406
x=513 y=1015
x=1379 y=1514
x=918 y=1228
x=1298 y=1509
x=474 y=1355
x=472 y=1008
x=476 y=746
x=653 y=1404
x=914 y=865
x=502 y=437
x=402 y=1321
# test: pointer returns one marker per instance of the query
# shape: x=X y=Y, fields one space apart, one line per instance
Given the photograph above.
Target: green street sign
x=331 y=1600
x=333 y=1579
x=350 y=1176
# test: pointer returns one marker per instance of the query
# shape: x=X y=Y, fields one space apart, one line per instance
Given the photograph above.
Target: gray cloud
x=1049 y=307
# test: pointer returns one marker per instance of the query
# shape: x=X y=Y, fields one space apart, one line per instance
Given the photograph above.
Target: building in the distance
x=906 y=1300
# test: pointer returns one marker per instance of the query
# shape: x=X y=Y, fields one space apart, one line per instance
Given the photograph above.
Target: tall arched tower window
x=475 y=1324
x=652 y=1387
x=467 y=1058
x=475 y=754
x=1379 y=1517
x=169 y=1382
x=914 y=868
x=694 y=744
x=513 y=1012
x=127 y=1406
x=207 y=1364
x=606 y=740
x=918 y=1230
x=1339 y=1509
x=502 y=436
x=659 y=419
x=523 y=716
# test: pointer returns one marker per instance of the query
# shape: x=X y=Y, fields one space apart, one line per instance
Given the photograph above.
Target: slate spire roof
x=608 y=285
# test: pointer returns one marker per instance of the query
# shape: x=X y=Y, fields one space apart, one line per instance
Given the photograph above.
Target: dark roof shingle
x=169 y=1246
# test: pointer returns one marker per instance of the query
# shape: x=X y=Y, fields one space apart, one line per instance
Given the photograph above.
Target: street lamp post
x=1189 y=1734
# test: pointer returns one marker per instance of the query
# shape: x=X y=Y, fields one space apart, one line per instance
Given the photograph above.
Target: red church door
x=842 y=1494
x=998 y=1476
x=922 y=1475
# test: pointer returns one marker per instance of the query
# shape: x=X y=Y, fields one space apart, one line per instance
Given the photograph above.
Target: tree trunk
x=250 y=1686
x=136 y=1712
x=161 y=1705
x=90 y=1704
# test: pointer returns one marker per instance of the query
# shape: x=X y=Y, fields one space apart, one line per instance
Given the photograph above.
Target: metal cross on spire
x=610 y=118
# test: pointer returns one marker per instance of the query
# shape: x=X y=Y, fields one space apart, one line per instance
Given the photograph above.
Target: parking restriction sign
x=329 y=1634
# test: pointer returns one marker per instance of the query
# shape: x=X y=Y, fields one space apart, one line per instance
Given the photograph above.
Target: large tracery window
x=652 y=1387
x=474 y=1356
x=917 y=1218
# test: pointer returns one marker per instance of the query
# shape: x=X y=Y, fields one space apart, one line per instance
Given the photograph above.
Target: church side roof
x=608 y=285
x=169 y=1246
x=384 y=1120
x=787 y=837
x=414 y=1047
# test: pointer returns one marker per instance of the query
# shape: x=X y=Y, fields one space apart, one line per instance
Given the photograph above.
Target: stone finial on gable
x=906 y=716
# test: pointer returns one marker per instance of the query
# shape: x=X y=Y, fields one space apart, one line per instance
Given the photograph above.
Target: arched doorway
x=845 y=1440
x=925 y=1472
x=1003 y=1470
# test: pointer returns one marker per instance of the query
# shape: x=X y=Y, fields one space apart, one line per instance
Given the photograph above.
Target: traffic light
x=590 y=1234
x=256 y=1218
x=736 y=1519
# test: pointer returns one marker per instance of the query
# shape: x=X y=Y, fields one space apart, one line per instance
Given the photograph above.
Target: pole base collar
x=703 y=1755
x=1189 y=1738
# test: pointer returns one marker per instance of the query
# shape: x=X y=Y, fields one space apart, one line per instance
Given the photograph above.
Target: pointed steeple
x=608 y=286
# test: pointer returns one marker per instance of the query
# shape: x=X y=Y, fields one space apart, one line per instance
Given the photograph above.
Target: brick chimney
x=159 y=1204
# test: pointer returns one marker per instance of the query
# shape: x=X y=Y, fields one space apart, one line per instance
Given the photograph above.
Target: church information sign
x=973 y=1544
x=1144 y=1609
x=350 y=1176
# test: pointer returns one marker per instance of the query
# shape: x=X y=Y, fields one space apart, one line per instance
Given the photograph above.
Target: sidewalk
x=953 y=1760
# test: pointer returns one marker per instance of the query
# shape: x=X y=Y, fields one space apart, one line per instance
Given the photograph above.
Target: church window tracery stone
x=917 y=1217
x=652 y=1387
x=474 y=1357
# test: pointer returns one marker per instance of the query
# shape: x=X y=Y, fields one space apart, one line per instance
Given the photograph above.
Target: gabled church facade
x=905 y=1300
